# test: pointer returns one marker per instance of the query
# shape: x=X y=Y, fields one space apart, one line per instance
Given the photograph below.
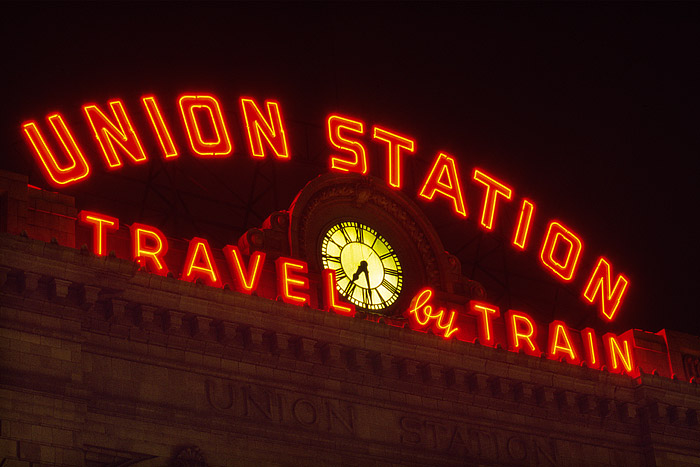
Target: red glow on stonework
x=444 y=179
x=200 y=263
x=590 y=346
x=494 y=189
x=100 y=224
x=551 y=256
x=599 y=286
x=560 y=343
x=338 y=128
x=246 y=279
x=521 y=332
x=620 y=355
x=485 y=314
x=395 y=144
x=193 y=110
x=522 y=232
x=423 y=313
x=58 y=173
x=270 y=128
x=331 y=301
x=115 y=136
x=160 y=128
x=148 y=246
x=289 y=281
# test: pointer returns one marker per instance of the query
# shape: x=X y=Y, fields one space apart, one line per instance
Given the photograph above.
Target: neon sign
x=478 y=322
x=208 y=136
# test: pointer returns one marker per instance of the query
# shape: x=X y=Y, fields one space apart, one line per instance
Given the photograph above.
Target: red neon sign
x=194 y=109
x=57 y=173
x=208 y=135
x=477 y=319
x=522 y=232
x=444 y=179
x=485 y=315
x=148 y=246
x=100 y=225
x=599 y=287
x=338 y=129
x=116 y=135
x=160 y=127
x=521 y=332
x=331 y=300
x=620 y=355
x=494 y=190
x=424 y=314
x=560 y=343
x=291 y=281
x=590 y=345
x=559 y=237
x=247 y=279
x=200 y=263
x=270 y=128
x=395 y=144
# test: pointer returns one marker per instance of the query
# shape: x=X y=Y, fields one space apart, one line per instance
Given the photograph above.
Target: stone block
x=29 y=451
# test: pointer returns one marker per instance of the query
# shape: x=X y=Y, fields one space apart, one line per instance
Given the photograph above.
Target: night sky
x=590 y=110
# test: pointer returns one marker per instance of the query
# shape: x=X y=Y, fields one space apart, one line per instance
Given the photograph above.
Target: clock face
x=367 y=270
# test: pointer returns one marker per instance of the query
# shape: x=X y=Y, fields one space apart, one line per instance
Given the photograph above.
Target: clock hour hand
x=360 y=269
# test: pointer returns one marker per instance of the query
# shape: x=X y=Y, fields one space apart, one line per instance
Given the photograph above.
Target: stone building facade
x=104 y=364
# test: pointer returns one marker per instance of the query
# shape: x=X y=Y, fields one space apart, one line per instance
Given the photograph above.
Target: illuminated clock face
x=367 y=270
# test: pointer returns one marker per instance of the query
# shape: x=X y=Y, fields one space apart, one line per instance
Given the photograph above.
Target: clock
x=367 y=270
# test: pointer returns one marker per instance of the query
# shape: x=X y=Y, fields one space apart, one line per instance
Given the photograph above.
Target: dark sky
x=589 y=109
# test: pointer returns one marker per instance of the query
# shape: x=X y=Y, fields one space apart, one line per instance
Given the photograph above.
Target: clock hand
x=367 y=277
x=360 y=269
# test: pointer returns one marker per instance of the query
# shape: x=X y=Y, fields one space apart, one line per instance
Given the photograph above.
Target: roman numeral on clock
x=331 y=258
x=359 y=232
x=389 y=286
x=349 y=289
x=367 y=295
x=391 y=272
x=340 y=274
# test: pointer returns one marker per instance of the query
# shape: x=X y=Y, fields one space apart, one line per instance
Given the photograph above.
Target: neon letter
x=358 y=163
x=200 y=263
x=216 y=144
x=287 y=281
x=159 y=127
x=395 y=143
x=521 y=327
x=484 y=315
x=590 y=344
x=560 y=342
x=522 y=232
x=56 y=173
x=107 y=133
x=443 y=179
x=246 y=282
x=331 y=302
x=599 y=285
x=100 y=225
x=614 y=350
x=562 y=267
x=494 y=188
x=421 y=305
x=272 y=128
x=148 y=246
